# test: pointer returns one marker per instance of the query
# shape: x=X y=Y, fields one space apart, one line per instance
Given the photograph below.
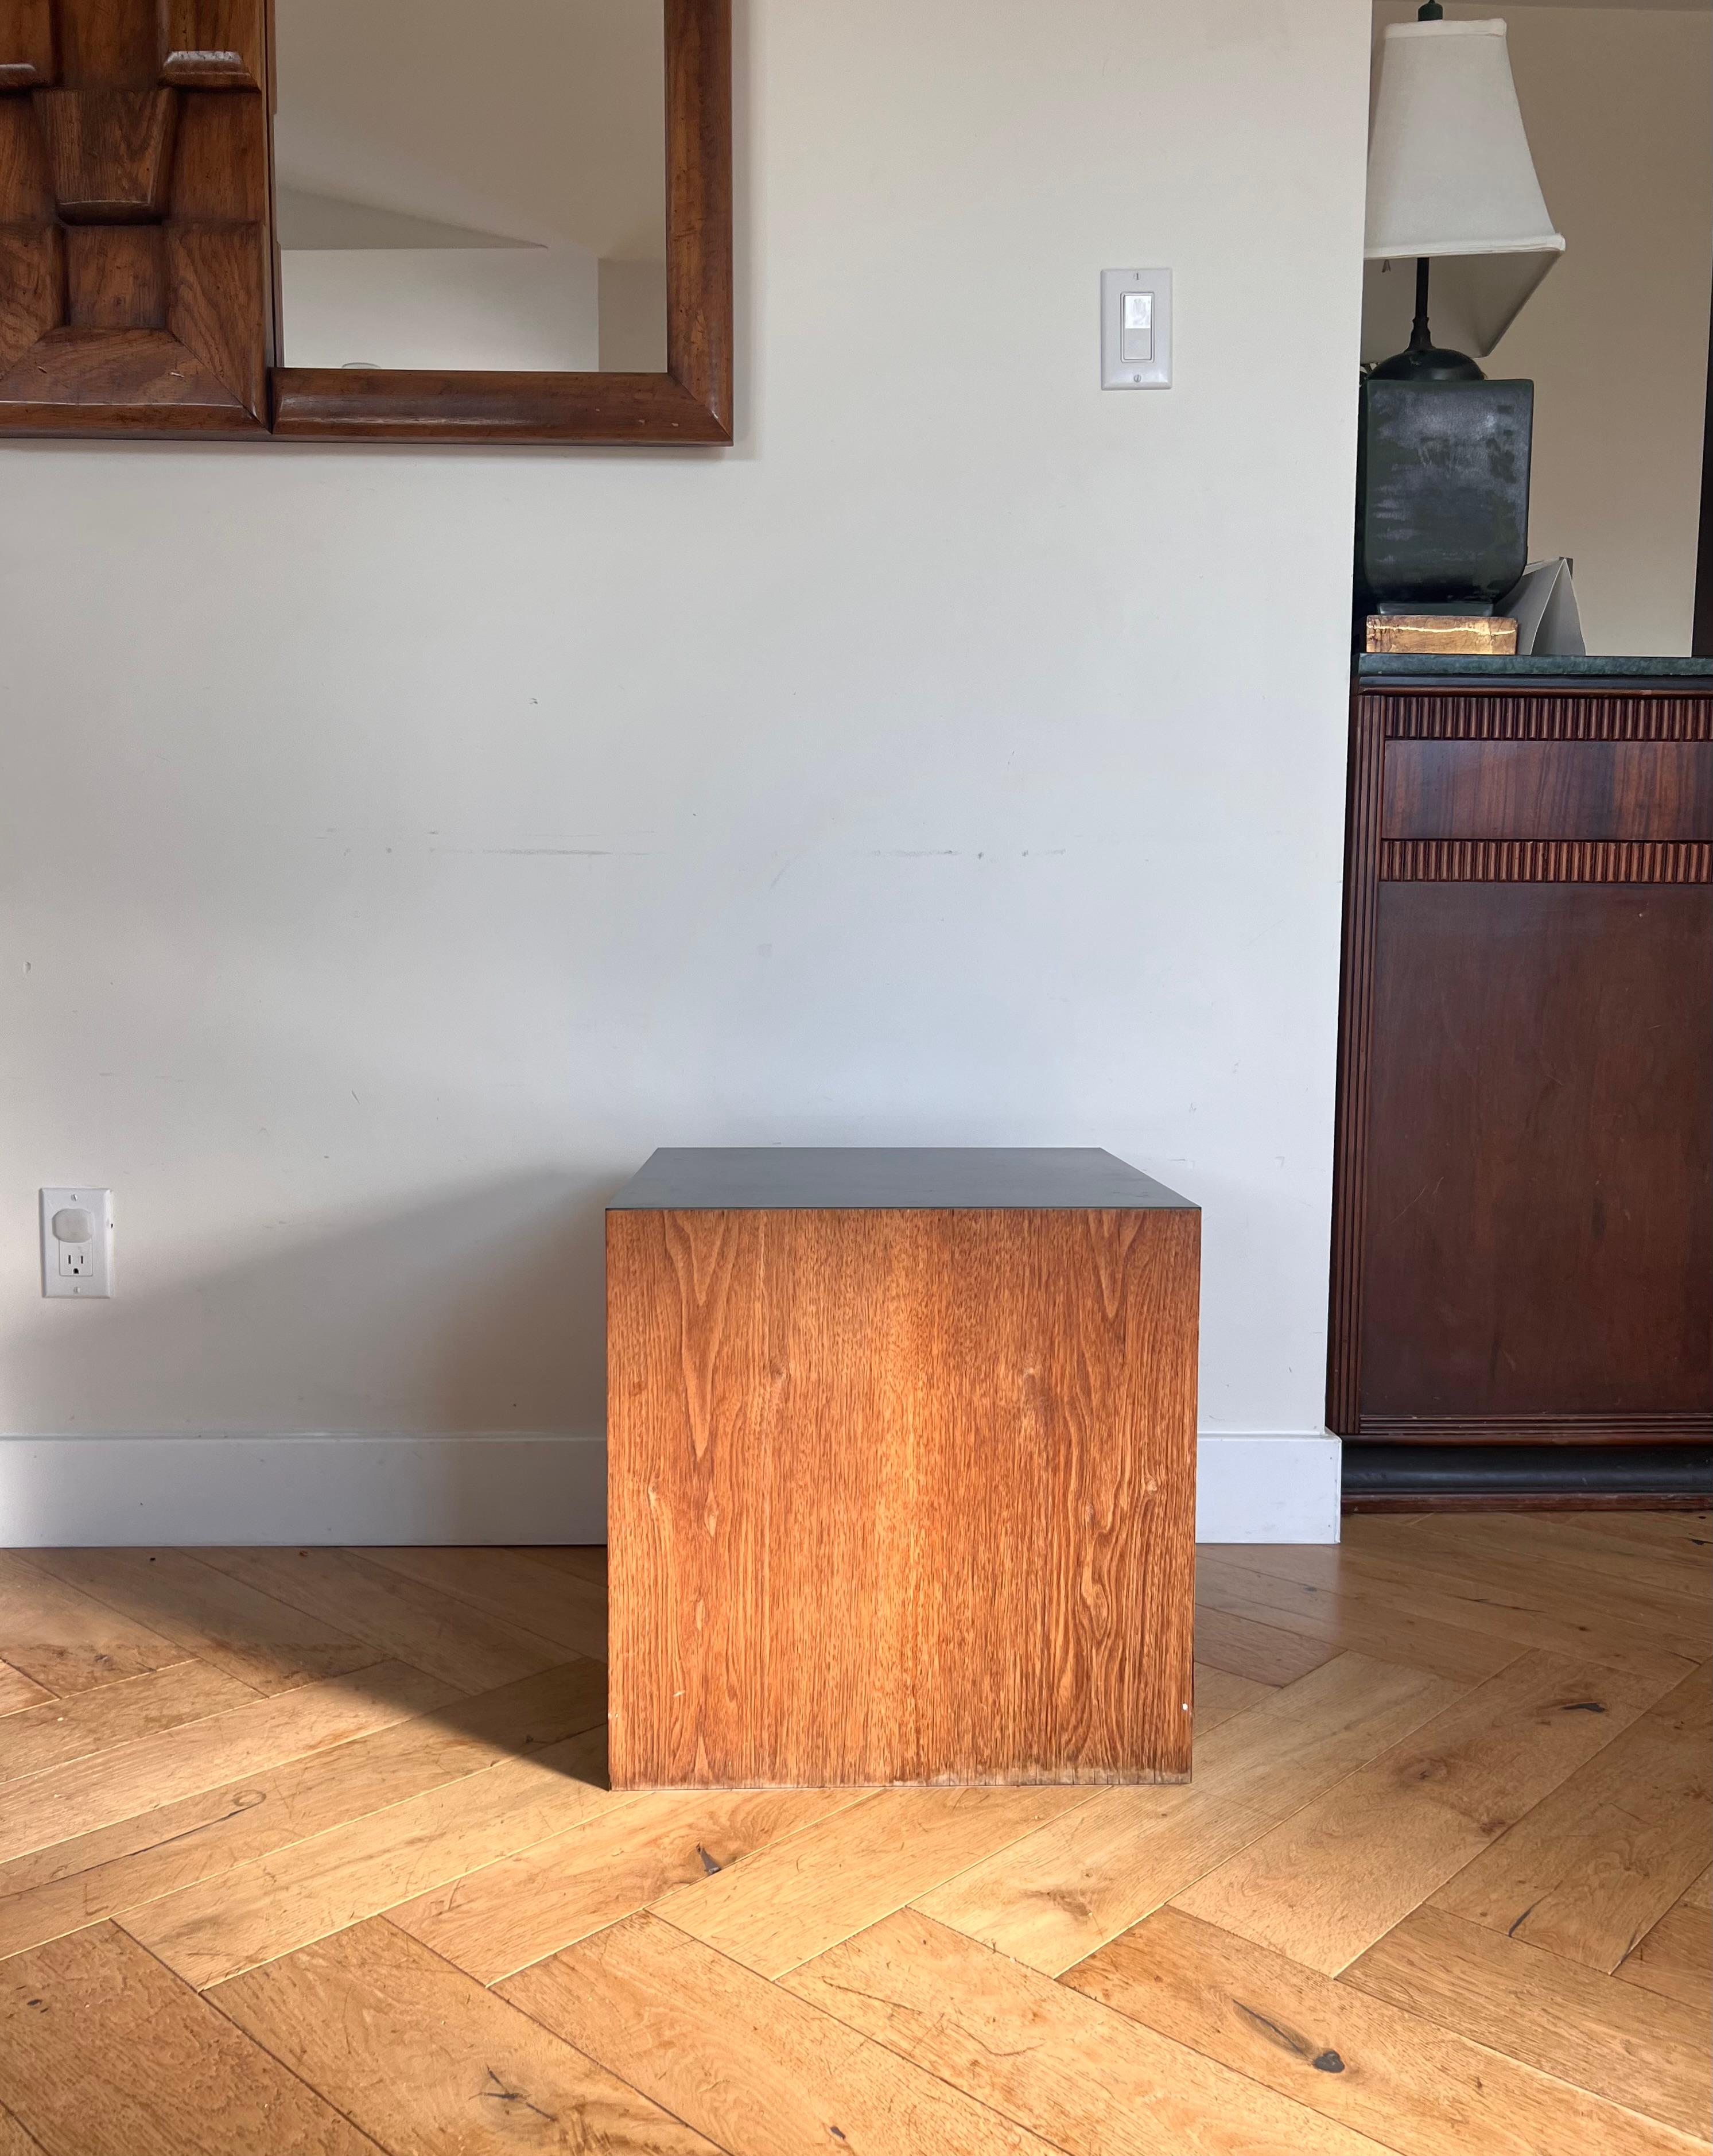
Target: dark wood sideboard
x=1522 y=1247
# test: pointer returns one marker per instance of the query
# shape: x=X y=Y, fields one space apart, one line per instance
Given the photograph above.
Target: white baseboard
x=93 y=1492
x=109 y=1491
x=1268 y=1489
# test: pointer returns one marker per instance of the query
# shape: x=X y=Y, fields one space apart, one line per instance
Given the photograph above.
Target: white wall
x=1617 y=101
x=403 y=845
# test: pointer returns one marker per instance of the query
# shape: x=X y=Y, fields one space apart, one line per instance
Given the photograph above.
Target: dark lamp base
x=1426 y=362
x=1435 y=606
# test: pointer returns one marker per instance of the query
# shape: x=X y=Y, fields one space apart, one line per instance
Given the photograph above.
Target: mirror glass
x=472 y=183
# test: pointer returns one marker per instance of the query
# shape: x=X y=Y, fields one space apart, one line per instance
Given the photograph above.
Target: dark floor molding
x=1395 y=1476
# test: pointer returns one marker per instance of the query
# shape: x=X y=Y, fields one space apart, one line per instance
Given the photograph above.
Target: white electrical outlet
x=77 y=1242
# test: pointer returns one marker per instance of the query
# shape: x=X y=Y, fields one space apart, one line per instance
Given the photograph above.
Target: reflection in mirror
x=472 y=183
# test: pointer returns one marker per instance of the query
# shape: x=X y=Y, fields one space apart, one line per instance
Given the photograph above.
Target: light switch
x=1135 y=329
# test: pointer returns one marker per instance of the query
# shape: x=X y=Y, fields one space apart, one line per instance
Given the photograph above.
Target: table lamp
x=1443 y=454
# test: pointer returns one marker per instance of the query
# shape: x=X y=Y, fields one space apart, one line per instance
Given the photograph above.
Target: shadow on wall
x=478 y=1312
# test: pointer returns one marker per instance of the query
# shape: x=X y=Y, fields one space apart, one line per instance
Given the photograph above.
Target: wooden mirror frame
x=139 y=267
x=691 y=402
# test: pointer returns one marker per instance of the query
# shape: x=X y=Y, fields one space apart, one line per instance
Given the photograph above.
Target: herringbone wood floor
x=310 y=1851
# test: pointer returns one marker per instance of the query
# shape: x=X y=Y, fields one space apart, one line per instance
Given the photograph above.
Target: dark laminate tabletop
x=701 y=1179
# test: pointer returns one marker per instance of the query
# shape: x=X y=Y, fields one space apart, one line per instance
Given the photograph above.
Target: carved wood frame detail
x=136 y=234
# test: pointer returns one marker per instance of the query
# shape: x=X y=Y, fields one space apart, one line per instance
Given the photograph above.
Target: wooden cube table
x=901 y=1469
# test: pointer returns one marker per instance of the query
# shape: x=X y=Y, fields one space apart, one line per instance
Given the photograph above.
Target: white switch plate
x=82 y=1268
x=1116 y=371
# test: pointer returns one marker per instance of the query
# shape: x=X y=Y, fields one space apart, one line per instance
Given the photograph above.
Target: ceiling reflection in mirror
x=472 y=184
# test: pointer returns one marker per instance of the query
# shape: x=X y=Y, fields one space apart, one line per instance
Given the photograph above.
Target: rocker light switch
x=1135 y=329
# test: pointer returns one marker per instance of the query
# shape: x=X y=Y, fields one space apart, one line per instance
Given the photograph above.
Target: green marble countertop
x=1372 y=665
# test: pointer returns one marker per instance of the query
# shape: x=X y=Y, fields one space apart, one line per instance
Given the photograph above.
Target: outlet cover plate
x=82 y=1269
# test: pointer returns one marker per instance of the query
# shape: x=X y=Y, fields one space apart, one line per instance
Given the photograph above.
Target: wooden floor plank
x=1458 y=1727
x=61 y=1730
x=1589 y=2030
x=798 y=1898
x=1370 y=1625
x=1093 y=2083
x=1531 y=1538
x=119 y=1867
x=103 y=2053
x=562 y=1607
x=277 y=1903
x=1421 y=2090
x=14 y=2141
x=1219 y=1695
x=405 y=1620
x=425 y=2059
x=1264 y=1653
x=1382 y=1841
x=1683 y=1534
x=1505 y=1609
x=18 y=1691
x=1675 y=1957
x=264 y=1642
x=760 y=2073
x=1308 y=1735
x=1594 y=1865
x=586 y=1561
x=1054 y=1897
x=1552 y=1586
x=152 y=1771
x=493 y=1923
x=66 y=1641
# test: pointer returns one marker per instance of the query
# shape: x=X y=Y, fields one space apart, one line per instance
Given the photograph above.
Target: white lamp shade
x=1450 y=177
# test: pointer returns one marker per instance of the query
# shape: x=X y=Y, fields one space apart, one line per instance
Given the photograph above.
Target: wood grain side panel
x=900 y=1496
x=1539 y=1217
x=1536 y=790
